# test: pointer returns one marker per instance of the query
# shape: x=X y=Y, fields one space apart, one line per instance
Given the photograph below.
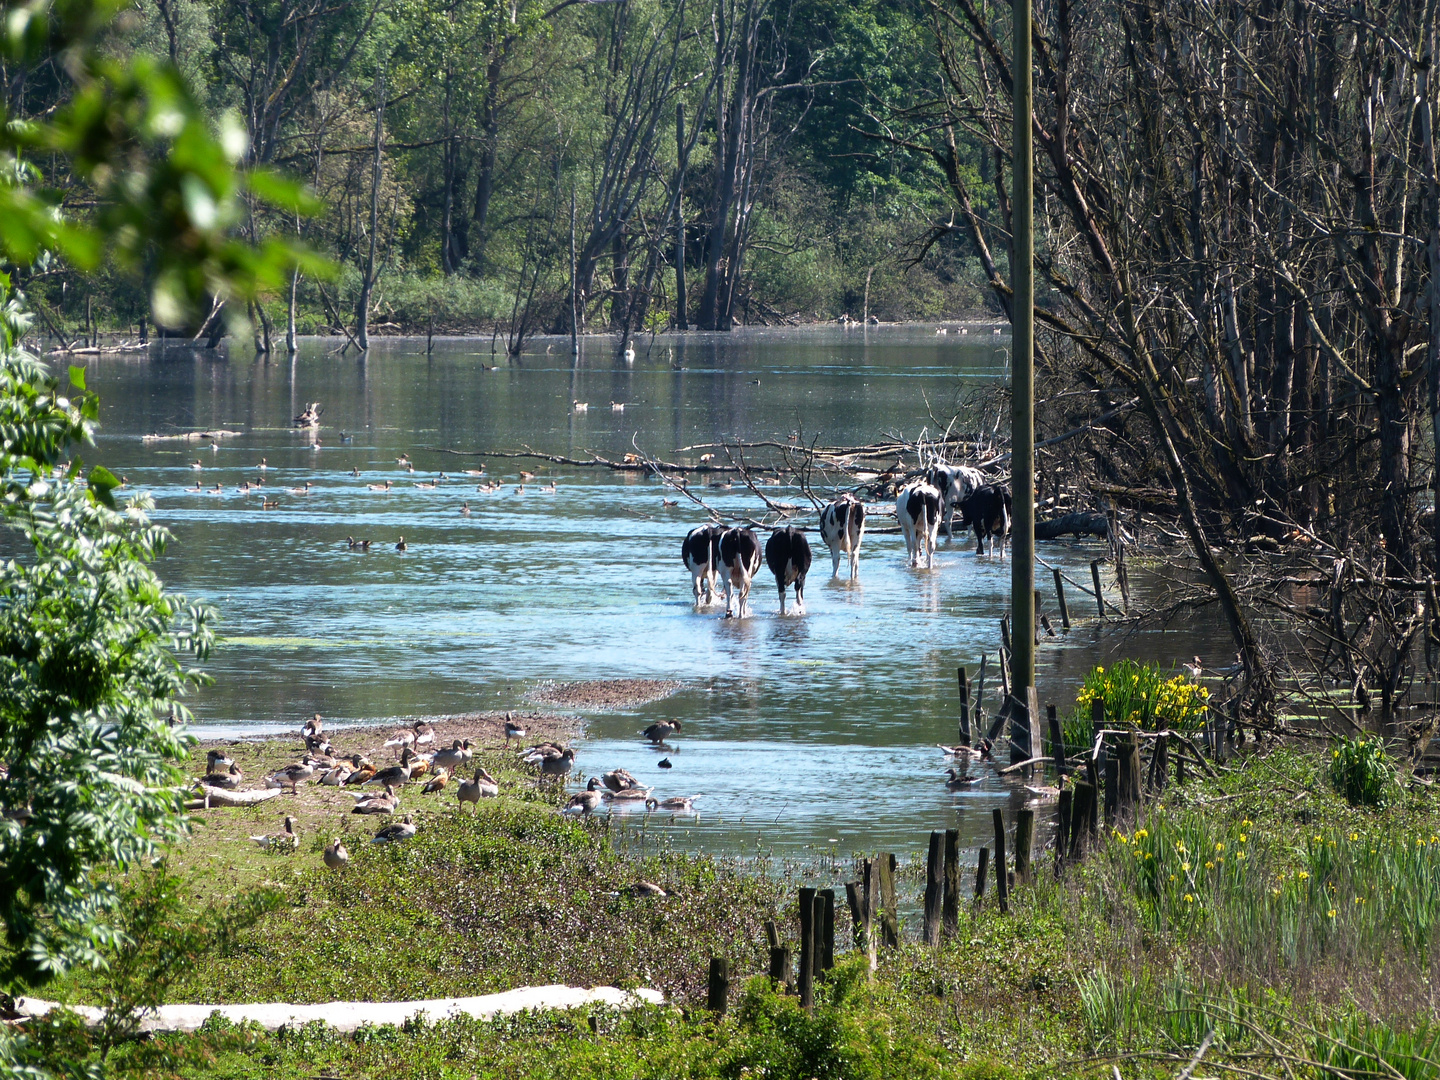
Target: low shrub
x=1360 y=772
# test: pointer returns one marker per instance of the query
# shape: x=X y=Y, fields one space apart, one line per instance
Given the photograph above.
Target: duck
x=230 y=779
x=420 y=766
x=483 y=786
x=335 y=855
x=513 y=729
x=584 y=803
x=286 y=840
x=679 y=804
x=664 y=763
x=402 y=546
x=363 y=770
x=628 y=795
x=959 y=781
x=451 y=757
x=396 y=831
x=436 y=782
x=669 y=502
x=386 y=486
x=619 y=780
x=300 y=490
x=291 y=776
x=661 y=730
x=395 y=774
x=962 y=751
x=1042 y=791
x=378 y=804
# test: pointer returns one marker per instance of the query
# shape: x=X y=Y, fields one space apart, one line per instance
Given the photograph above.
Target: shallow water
x=805 y=734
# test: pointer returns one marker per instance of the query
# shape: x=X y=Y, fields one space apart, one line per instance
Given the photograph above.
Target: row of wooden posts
x=1115 y=756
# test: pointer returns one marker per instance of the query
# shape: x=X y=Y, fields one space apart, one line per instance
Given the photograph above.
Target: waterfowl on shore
x=395 y=774
x=1194 y=669
x=619 y=780
x=513 y=729
x=402 y=546
x=451 y=757
x=229 y=779
x=958 y=781
x=216 y=760
x=678 y=804
x=291 y=776
x=285 y=840
x=436 y=782
x=551 y=760
x=378 y=804
x=399 y=741
x=424 y=733
x=396 y=831
x=363 y=770
x=381 y=487
x=483 y=786
x=318 y=760
x=420 y=766
x=335 y=855
x=660 y=731
x=584 y=803
x=643 y=889
x=337 y=775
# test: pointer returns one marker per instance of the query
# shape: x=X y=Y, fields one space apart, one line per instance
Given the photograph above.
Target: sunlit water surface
x=806 y=735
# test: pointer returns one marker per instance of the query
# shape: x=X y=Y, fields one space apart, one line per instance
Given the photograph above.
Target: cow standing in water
x=918 y=508
x=955 y=483
x=787 y=553
x=740 y=558
x=701 y=555
x=842 y=527
x=989 y=510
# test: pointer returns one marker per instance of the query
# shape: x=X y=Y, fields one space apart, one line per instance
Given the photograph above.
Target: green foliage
x=1362 y=1048
x=1140 y=696
x=1360 y=771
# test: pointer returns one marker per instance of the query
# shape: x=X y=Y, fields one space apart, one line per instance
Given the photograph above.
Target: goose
x=628 y=795
x=396 y=831
x=197 y=465
x=465 y=509
x=643 y=889
x=548 y=489
x=300 y=490
x=318 y=760
x=399 y=740
x=664 y=763
x=579 y=406
x=483 y=786
x=395 y=774
x=531 y=755
x=661 y=730
x=669 y=502
x=195 y=490
x=583 y=803
x=378 y=804
x=617 y=406
x=216 y=758
x=218 y=489
x=1042 y=791
x=402 y=546
x=291 y=776
x=629 y=354
x=619 y=780
x=263 y=465
x=959 y=781
x=436 y=782
x=381 y=487
x=355 y=471
x=243 y=488
x=426 y=485
x=679 y=804
x=475 y=472
x=214 y=447
x=520 y=490
x=269 y=504
x=1194 y=669
x=513 y=729
x=230 y=779
x=335 y=855
x=525 y=475
x=451 y=757
x=962 y=751
x=403 y=459
x=281 y=841
x=337 y=776
x=551 y=760
x=442 y=477
x=424 y=733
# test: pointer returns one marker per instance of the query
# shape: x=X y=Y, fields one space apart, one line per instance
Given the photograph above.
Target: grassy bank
x=1259 y=914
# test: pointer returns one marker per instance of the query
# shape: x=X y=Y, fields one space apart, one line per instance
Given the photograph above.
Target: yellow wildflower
x=1219 y=847
x=1302 y=875
x=1247 y=823
x=1209 y=865
x=1333 y=913
x=1189 y=899
x=1354 y=836
x=1185 y=866
x=1243 y=838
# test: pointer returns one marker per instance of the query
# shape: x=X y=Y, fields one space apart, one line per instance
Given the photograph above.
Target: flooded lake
x=810 y=734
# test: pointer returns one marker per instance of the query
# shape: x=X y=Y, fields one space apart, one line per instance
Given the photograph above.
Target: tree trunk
x=367 y=283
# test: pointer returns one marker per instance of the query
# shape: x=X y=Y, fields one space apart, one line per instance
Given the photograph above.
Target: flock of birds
x=418 y=758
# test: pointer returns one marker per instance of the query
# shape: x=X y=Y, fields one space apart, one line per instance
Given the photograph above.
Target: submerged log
x=1082 y=523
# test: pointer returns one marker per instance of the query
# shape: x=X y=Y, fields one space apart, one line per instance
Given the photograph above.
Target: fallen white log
x=214 y=796
x=349 y=1015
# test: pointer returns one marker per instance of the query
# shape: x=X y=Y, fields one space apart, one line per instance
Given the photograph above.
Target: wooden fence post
x=1080 y=808
x=718 y=997
x=781 y=971
x=964 y=707
x=889 y=913
x=950 y=903
x=1057 y=741
x=934 y=888
x=1062 y=828
x=826 y=955
x=806 y=974
x=871 y=893
x=1095 y=577
x=1002 y=883
x=1060 y=599
x=1024 y=842
x=1005 y=633
x=980 y=868
x=1127 y=787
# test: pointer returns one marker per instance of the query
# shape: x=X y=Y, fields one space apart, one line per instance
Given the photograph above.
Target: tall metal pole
x=1022 y=366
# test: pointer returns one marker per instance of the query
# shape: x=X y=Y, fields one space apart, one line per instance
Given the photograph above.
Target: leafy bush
x=1361 y=773
x=1139 y=696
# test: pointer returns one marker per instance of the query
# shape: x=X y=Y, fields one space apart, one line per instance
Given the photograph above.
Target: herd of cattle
x=711 y=551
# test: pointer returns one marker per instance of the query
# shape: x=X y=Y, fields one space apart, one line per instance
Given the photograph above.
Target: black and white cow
x=955 y=483
x=842 y=527
x=787 y=553
x=701 y=554
x=918 y=508
x=988 y=509
x=740 y=558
